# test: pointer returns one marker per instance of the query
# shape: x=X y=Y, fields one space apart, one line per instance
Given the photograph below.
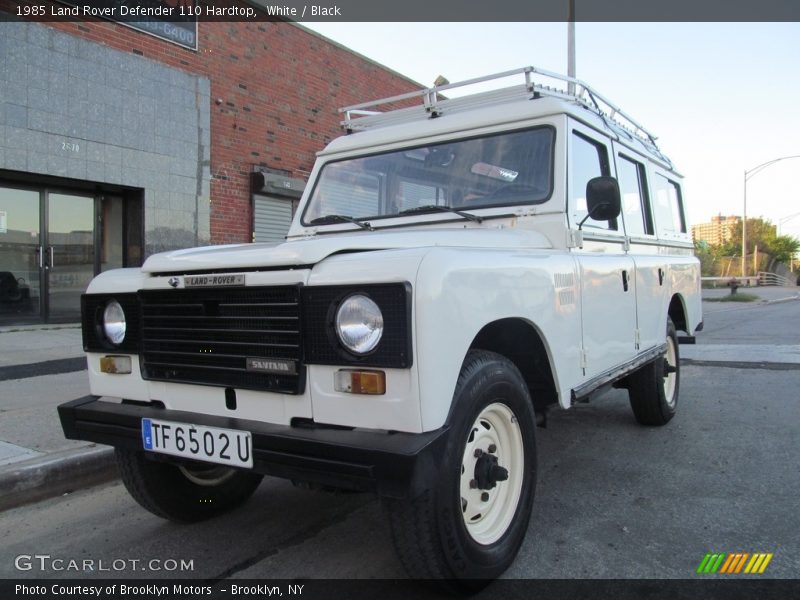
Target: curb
x=787 y=299
x=47 y=367
x=55 y=474
x=738 y=364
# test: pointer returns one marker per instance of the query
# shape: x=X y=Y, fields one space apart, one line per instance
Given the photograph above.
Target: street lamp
x=785 y=219
x=781 y=222
x=747 y=175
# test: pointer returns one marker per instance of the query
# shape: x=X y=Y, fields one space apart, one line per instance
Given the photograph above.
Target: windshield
x=496 y=170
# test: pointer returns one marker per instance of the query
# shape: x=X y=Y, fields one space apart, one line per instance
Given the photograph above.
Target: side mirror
x=602 y=199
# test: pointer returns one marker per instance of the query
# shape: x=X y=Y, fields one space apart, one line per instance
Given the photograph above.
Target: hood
x=307 y=252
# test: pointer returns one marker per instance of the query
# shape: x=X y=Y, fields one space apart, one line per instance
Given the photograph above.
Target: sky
x=722 y=98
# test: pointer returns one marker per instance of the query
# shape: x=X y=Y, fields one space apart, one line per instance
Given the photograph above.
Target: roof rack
x=364 y=116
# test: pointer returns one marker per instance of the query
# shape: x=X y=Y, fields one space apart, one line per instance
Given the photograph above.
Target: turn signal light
x=116 y=365
x=360 y=382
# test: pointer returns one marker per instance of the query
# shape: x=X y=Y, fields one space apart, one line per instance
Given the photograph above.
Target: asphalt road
x=614 y=500
x=750 y=323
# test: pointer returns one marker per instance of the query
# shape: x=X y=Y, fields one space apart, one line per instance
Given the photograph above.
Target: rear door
x=650 y=264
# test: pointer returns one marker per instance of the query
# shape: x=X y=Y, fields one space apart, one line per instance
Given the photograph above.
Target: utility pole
x=744 y=230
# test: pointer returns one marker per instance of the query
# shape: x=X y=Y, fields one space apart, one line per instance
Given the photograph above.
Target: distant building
x=717 y=232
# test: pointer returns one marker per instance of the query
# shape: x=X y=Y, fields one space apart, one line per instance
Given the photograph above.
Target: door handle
x=625 y=280
x=660 y=276
x=40 y=257
x=52 y=256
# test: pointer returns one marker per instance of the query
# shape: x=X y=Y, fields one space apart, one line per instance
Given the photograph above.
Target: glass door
x=69 y=252
x=20 y=222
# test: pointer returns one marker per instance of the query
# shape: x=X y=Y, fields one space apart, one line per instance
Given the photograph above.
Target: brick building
x=717 y=232
x=116 y=143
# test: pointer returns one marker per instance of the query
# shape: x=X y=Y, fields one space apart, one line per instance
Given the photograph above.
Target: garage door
x=271 y=219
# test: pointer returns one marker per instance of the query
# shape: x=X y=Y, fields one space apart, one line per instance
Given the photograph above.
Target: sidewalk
x=42 y=366
x=744 y=355
x=30 y=344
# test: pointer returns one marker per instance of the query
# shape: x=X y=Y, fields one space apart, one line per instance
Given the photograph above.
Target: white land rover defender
x=456 y=268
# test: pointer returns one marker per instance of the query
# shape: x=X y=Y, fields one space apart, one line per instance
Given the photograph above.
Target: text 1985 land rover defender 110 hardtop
x=456 y=268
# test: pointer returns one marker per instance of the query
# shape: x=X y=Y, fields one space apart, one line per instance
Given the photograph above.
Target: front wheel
x=467 y=527
x=184 y=493
x=653 y=389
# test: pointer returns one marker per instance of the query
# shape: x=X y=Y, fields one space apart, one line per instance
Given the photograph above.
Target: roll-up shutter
x=271 y=219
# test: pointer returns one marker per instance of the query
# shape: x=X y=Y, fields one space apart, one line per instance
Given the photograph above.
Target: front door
x=69 y=252
x=20 y=255
x=53 y=241
x=607 y=273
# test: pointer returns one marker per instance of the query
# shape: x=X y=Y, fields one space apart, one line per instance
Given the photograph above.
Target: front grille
x=206 y=336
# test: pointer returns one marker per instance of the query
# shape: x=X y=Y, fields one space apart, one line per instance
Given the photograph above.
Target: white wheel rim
x=488 y=513
x=671 y=377
x=209 y=477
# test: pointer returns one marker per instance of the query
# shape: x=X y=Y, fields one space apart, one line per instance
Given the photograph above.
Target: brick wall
x=279 y=87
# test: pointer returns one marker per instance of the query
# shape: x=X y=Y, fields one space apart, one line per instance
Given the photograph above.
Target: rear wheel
x=184 y=493
x=653 y=389
x=468 y=525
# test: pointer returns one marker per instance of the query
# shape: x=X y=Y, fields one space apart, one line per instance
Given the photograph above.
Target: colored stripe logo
x=735 y=563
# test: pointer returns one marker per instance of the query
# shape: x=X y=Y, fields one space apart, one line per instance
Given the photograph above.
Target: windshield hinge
x=575 y=238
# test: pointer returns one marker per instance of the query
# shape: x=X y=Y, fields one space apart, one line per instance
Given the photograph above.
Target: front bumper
x=396 y=465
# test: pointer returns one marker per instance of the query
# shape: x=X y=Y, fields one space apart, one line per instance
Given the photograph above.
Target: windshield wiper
x=341 y=219
x=440 y=208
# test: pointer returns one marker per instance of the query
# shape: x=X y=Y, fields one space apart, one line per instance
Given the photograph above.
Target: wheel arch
x=677 y=312
x=522 y=343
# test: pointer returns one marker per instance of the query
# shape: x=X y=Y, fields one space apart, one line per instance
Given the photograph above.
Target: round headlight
x=114 y=322
x=359 y=324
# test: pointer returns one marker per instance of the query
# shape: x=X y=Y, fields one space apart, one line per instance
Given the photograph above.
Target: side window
x=668 y=206
x=635 y=202
x=589 y=159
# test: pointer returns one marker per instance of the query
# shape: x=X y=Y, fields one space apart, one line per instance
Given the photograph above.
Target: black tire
x=430 y=532
x=176 y=492
x=653 y=389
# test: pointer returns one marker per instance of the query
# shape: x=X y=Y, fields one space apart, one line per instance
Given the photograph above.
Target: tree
x=759 y=234
x=762 y=234
x=703 y=251
x=783 y=247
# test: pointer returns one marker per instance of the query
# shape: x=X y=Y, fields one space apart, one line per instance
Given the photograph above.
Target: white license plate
x=210 y=444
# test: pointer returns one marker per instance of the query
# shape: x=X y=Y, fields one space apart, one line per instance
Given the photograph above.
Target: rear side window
x=668 y=206
x=589 y=160
x=635 y=202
